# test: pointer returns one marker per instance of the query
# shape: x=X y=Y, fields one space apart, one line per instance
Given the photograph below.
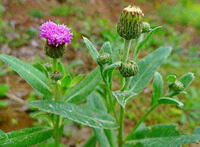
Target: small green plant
x=90 y=100
x=37 y=14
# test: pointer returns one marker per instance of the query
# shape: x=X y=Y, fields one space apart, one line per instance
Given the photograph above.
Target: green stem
x=56 y=117
x=127 y=44
x=121 y=127
x=141 y=120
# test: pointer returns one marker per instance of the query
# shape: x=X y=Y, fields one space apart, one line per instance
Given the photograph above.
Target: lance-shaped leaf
x=168 y=100
x=157 y=88
x=33 y=76
x=147 y=67
x=85 y=87
x=106 y=138
x=163 y=135
x=25 y=137
x=187 y=79
x=93 y=52
x=123 y=97
x=112 y=66
x=83 y=115
x=146 y=39
x=106 y=48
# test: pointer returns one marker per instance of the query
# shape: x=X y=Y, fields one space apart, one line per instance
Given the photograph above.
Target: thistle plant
x=91 y=100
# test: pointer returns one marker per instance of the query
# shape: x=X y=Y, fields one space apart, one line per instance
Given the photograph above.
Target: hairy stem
x=127 y=44
x=56 y=117
x=139 y=123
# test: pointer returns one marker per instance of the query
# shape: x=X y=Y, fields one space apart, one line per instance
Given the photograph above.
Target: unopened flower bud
x=130 y=25
x=54 y=51
x=146 y=27
x=104 y=58
x=176 y=86
x=56 y=76
x=129 y=69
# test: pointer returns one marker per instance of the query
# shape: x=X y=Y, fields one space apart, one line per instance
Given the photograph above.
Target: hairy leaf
x=157 y=88
x=85 y=87
x=93 y=52
x=106 y=48
x=147 y=67
x=123 y=97
x=25 y=137
x=163 y=135
x=187 y=79
x=168 y=100
x=146 y=39
x=33 y=76
x=83 y=115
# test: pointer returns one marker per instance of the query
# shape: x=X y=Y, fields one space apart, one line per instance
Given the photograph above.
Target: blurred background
x=97 y=19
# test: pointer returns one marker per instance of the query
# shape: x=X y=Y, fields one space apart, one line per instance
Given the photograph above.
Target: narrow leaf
x=187 y=79
x=162 y=135
x=147 y=68
x=83 y=115
x=105 y=137
x=171 y=101
x=114 y=65
x=76 y=80
x=25 y=137
x=123 y=97
x=146 y=39
x=61 y=68
x=85 y=87
x=106 y=48
x=93 y=52
x=157 y=88
x=32 y=75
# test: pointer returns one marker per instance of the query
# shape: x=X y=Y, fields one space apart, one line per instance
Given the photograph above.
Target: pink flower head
x=55 y=34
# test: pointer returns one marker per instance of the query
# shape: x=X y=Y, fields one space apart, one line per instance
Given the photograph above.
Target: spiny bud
x=54 y=51
x=176 y=86
x=146 y=27
x=104 y=58
x=129 y=69
x=130 y=25
x=56 y=76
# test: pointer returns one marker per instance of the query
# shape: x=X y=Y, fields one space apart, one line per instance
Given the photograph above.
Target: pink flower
x=55 y=34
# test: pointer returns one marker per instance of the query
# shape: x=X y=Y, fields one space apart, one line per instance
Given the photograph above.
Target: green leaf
x=66 y=81
x=146 y=39
x=187 y=79
x=106 y=48
x=4 y=89
x=83 y=115
x=91 y=142
x=123 y=97
x=168 y=100
x=25 y=137
x=61 y=68
x=76 y=80
x=106 y=138
x=162 y=135
x=147 y=68
x=32 y=75
x=93 y=52
x=157 y=88
x=85 y=87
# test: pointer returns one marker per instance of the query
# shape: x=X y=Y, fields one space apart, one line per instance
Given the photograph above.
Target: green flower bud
x=54 y=51
x=176 y=86
x=129 y=69
x=146 y=27
x=130 y=25
x=104 y=58
x=56 y=76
